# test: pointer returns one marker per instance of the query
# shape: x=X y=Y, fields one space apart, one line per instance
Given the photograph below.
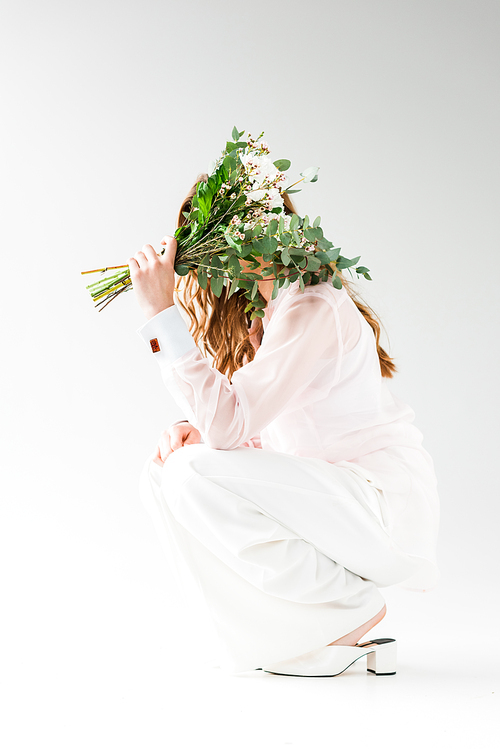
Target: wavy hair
x=220 y=326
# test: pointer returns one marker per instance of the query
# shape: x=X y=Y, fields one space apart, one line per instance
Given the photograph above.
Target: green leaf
x=285 y=238
x=367 y=276
x=202 y=278
x=325 y=244
x=270 y=244
x=299 y=261
x=259 y=313
x=234 y=265
x=362 y=270
x=313 y=263
x=233 y=287
x=281 y=225
x=285 y=256
x=216 y=284
x=305 y=222
x=337 y=283
x=235 y=134
x=272 y=227
x=301 y=283
x=289 y=192
x=245 y=250
x=309 y=234
x=181 y=270
x=216 y=267
x=232 y=242
x=257 y=230
x=333 y=254
x=323 y=257
x=282 y=164
x=294 y=222
x=255 y=289
x=317 y=221
x=345 y=263
x=229 y=163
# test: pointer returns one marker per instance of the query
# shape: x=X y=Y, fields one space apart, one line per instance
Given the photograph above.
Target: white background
x=109 y=112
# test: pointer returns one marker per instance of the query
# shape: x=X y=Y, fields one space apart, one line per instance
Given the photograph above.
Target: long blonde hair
x=221 y=327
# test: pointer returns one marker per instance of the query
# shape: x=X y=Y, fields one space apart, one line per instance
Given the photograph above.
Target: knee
x=181 y=464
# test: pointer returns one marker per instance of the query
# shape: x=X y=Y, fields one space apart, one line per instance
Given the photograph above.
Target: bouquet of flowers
x=239 y=214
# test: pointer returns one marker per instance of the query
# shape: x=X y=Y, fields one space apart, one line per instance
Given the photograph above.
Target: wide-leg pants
x=286 y=553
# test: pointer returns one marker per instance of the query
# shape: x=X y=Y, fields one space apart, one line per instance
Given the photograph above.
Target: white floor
x=95 y=653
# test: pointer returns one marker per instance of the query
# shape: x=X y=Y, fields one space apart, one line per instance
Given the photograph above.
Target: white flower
x=260 y=169
x=275 y=199
x=256 y=195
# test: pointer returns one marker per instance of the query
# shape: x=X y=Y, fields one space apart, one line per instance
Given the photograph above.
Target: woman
x=302 y=486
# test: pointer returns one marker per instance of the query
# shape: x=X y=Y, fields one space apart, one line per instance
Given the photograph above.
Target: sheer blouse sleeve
x=232 y=414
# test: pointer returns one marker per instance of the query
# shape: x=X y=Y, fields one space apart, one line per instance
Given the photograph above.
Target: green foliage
x=221 y=229
x=337 y=283
x=343 y=262
x=216 y=285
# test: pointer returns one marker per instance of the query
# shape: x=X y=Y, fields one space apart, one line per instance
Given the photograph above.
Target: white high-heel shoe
x=333 y=660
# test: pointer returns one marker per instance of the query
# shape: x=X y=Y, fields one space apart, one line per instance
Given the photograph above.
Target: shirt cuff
x=167 y=335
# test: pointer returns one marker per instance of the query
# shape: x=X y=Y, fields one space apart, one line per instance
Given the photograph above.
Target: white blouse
x=313 y=389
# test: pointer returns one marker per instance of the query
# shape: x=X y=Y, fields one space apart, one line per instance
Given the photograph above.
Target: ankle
x=353 y=637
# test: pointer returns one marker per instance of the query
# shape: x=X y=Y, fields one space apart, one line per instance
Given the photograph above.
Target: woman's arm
x=228 y=414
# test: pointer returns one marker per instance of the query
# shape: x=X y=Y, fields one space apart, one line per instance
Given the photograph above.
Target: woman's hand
x=153 y=277
x=173 y=438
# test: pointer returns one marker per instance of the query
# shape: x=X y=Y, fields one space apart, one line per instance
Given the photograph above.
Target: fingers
x=149 y=253
x=164 y=445
x=157 y=457
x=170 y=250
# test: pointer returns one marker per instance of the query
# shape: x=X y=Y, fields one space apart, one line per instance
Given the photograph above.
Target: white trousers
x=286 y=553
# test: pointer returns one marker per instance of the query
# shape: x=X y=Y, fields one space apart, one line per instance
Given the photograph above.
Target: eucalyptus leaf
x=313 y=263
x=202 y=278
x=333 y=254
x=272 y=227
x=232 y=242
x=282 y=164
x=317 y=221
x=346 y=263
x=216 y=285
x=324 y=244
x=181 y=270
x=294 y=222
x=322 y=257
x=285 y=257
x=310 y=174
